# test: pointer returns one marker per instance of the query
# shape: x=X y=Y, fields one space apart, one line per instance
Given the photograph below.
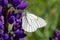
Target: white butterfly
x=31 y=22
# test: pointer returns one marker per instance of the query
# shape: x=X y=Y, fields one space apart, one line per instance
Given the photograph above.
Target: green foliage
x=10 y=27
x=48 y=10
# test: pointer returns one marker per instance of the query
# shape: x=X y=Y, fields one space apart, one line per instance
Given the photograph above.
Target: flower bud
x=4 y=3
x=22 y=5
x=15 y=2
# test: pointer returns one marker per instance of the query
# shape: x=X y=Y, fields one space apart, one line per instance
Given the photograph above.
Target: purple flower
x=8 y=16
x=6 y=36
x=1 y=38
x=18 y=15
x=20 y=33
x=56 y=38
x=19 y=21
x=11 y=19
x=15 y=2
x=1 y=33
x=11 y=13
x=2 y=19
x=4 y=3
x=21 y=39
x=1 y=25
x=15 y=15
x=17 y=25
x=14 y=27
x=56 y=35
x=22 y=5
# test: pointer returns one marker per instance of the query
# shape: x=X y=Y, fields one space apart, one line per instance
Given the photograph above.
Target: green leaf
x=10 y=27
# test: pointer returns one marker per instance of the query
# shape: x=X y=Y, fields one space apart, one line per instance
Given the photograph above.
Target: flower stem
x=5 y=14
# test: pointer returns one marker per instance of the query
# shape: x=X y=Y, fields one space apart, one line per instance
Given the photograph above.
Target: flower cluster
x=56 y=35
x=8 y=16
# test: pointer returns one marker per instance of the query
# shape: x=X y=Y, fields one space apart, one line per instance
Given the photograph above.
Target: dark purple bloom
x=15 y=15
x=2 y=19
x=21 y=39
x=15 y=2
x=1 y=33
x=19 y=21
x=4 y=3
x=8 y=16
x=6 y=36
x=23 y=35
x=20 y=33
x=18 y=15
x=22 y=5
x=1 y=25
x=11 y=19
x=56 y=35
x=1 y=38
x=14 y=27
x=11 y=13
x=56 y=38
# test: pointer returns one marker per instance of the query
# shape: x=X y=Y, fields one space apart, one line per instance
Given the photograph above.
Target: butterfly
x=31 y=22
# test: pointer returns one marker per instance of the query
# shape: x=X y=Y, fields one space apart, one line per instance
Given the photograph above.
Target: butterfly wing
x=31 y=22
x=39 y=21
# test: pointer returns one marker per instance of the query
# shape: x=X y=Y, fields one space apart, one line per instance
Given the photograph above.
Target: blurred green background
x=48 y=10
